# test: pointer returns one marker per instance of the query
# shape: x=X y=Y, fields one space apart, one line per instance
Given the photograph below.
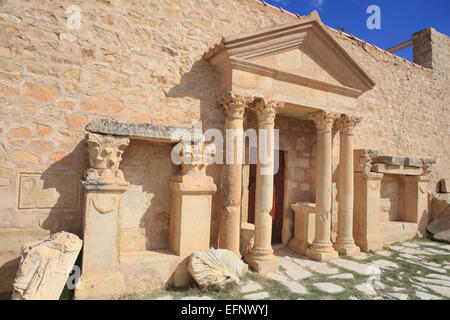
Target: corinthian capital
x=323 y=119
x=105 y=155
x=234 y=104
x=266 y=110
x=347 y=124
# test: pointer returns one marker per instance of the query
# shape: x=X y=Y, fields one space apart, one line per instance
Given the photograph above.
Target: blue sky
x=399 y=18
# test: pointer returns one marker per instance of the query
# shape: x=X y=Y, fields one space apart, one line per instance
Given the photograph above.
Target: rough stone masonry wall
x=136 y=60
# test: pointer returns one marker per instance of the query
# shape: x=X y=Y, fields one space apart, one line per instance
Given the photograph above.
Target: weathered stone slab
x=440 y=205
x=250 y=286
x=45 y=266
x=257 y=296
x=145 y=131
x=57 y=190
x=366 y=289
x=402 y=161
x=426 y=296
x=329 y=287
x=213 y=267
x=440 y=229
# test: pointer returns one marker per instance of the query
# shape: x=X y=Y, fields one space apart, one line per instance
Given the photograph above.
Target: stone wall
x=143 y=63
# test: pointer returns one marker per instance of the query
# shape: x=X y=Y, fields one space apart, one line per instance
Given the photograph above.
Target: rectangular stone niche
x=55 y=190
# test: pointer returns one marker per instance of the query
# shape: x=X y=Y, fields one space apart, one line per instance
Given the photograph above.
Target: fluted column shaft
x=345 y=243
x=322 y=248
x=261 y=257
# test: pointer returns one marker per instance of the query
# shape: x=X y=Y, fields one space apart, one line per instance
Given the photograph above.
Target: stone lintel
x=397 y=169
x=143 y=131
x=402 y=161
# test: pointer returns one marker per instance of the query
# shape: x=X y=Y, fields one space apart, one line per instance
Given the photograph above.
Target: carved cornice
x=234 y=104
x=323 y=119
x=105 y=155
x=347 y=123
x=266 y=110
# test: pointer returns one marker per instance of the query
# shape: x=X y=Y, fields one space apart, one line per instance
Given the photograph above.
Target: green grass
x=389 y=278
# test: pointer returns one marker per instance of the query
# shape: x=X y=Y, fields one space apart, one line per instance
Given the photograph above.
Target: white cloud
x=317 y=4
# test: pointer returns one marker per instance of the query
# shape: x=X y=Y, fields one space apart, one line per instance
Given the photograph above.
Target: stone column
x=261 y=257
x=322 y=248
x=104 y=185
x=229 y=226
x=344 y=241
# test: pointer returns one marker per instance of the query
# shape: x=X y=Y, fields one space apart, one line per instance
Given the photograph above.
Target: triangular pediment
x=301 y=62
x=303 y=52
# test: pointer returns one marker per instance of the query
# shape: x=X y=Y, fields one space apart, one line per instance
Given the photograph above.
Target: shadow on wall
x=65 y=176
x=65 y=213
x=202 y=83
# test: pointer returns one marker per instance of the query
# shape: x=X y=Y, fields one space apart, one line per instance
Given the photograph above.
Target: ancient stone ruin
x=353 y=138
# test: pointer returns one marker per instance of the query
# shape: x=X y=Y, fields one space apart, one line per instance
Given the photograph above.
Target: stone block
x=49 y=190
x=444 y=186
x=45 y=266
x=304 y=226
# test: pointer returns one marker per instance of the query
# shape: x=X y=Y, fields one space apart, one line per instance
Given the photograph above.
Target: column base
x=100 y=286
x=263 y=265
x=322 y=255
x=347 y=249
x=298 y=246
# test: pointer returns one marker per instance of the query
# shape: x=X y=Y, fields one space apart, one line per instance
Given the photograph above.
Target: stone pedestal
x=322 y=248
x=229 y=226
x=100 y=268
x=367 y=227
x=344 y=241
x=261 y=257
x=104 y=188
x=416 y=201
x=304 y=226
x=190 y=214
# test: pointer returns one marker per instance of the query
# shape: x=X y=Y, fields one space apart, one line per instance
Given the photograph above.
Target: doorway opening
x=278 y=198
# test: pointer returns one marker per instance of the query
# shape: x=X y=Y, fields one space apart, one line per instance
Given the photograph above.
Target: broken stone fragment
x=45 y=266
x=440 y=229
x=213 y=267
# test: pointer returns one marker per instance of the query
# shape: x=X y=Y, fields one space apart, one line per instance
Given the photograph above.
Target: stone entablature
x=368 y=160
x=144 y=131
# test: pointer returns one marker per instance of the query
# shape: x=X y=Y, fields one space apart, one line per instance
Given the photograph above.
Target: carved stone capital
x=323 y=119
x=347 y=123
x=105 y=155
x=266 y=110
x=234 y=104
x=194 y=160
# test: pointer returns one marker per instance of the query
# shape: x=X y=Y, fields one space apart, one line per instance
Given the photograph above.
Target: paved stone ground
x=413 y=270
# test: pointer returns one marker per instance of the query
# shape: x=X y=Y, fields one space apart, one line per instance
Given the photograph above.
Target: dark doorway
x=278 y=198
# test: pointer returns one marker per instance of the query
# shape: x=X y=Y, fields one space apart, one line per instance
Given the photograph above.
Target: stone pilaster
x=261 y=257
x=322 y=248
x=229 y=226
x=344 y=241
x=104 y=186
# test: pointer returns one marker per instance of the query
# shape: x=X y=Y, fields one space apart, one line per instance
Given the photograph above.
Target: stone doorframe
x=295 y=70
